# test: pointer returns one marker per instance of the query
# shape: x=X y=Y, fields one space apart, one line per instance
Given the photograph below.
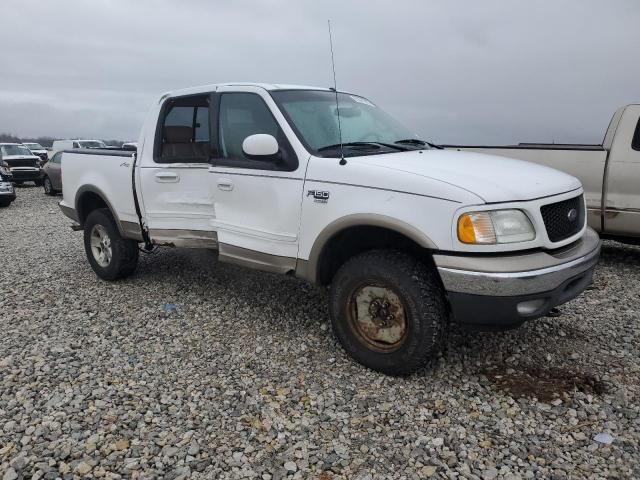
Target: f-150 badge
x=318 y=196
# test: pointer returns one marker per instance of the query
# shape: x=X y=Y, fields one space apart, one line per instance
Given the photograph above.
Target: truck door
x=53 y=170
x=622 y=209
x=257 y=202
x=174 y=177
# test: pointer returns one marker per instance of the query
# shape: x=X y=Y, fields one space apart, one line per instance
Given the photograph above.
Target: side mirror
x=260 y=146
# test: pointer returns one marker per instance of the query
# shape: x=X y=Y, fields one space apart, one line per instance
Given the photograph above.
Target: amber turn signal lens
x=476 y=228
x=466 y=232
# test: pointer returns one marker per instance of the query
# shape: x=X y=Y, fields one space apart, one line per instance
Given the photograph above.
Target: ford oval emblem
x=572 y=215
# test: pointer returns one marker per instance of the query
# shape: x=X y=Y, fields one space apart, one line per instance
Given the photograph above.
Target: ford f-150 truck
x=327 y=186
x=17 y=162
x=609 y=172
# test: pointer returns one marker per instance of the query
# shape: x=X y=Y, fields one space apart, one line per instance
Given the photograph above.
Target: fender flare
x=308 y=269
x=95 y=190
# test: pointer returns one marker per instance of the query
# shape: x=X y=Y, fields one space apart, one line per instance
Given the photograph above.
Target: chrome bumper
x=506 y=290
x=497 y=279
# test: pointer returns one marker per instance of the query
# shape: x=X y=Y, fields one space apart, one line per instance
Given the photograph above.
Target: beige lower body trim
x=131 y=230
x=184 y=238
x=257 y=260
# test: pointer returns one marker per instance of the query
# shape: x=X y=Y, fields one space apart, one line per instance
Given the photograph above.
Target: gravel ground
x=245 y=379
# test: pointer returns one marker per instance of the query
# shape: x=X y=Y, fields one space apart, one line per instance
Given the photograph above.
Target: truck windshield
x=15 y=150
x=365 y=128
x=33 y=146
x=92 y=144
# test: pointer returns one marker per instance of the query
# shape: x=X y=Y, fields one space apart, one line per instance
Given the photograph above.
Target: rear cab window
x=184 y=131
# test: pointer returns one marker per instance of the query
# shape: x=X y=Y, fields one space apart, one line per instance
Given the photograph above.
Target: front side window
x=314 y=116
x=56 y=158
x=15 y=150
x=242 y=115
x=185 y=131
x=76 y=145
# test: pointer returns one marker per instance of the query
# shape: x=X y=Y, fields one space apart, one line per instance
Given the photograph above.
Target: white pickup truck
x=609 y=172
x=408 y=236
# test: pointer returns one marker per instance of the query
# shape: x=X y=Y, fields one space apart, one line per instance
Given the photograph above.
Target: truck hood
x=20 y=157
x=492 y=178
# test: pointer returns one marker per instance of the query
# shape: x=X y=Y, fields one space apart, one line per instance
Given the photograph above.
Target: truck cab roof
x=214 y=86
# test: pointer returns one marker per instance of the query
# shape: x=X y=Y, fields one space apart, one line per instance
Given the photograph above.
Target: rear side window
x=635 y=143
x=183 y=131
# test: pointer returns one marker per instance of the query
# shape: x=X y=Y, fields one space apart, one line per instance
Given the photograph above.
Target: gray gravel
x=245 y=379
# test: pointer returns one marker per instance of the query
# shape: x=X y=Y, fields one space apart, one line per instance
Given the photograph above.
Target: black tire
x=398 y=277
x=4 y=203
x=123 y=257
x=48 y=187
x=38 y=183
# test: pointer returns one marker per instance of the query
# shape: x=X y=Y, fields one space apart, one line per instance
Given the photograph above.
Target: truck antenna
x=343 y=161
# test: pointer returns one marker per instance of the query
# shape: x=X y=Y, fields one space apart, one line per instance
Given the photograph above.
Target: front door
x=174 y=176
x=257 y=202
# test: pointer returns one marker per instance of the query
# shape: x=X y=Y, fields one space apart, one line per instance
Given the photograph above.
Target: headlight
x=495 y=226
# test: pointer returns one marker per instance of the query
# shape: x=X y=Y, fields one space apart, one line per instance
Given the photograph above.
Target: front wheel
x=4 y=203
x=388 y=310
x=38 y=183
x=111 y=256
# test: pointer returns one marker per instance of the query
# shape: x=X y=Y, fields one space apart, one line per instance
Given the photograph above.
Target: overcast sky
x=457 y=72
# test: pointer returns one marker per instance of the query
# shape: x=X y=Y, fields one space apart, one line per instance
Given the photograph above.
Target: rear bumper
x=505 y=291
x=69 y=212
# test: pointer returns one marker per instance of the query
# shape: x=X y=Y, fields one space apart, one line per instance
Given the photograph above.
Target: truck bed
x=108 y=172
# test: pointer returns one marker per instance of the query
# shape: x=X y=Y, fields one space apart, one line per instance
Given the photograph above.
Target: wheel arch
x=355 y=234
x=89 y=198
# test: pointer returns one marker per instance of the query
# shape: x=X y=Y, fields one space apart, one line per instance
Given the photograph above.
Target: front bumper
x=26 y=174
x=9 y=195
x=503 y=291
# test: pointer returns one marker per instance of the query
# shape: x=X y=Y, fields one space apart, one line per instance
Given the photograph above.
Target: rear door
x=53 y=171
x=174 y=177
x=257 y=202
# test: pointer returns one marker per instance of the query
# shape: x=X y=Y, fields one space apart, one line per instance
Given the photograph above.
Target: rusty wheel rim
x=378 y=317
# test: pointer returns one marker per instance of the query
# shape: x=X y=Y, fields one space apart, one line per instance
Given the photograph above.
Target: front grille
x=563 y=219
x=22 y=162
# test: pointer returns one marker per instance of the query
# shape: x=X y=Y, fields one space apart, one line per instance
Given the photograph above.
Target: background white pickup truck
x=406 y=235
x=610 y=172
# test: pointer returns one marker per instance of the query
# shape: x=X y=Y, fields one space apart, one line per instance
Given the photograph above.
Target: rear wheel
x=111 y=256
x=48 y=187
x=388 y=310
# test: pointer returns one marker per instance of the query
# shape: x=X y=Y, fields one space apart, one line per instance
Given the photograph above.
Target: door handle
x=225 y=184
x=167 y=177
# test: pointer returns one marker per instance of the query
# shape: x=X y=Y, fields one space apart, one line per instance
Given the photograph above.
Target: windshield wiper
x=416 y=141
x=375 y=145
x=349 y=144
